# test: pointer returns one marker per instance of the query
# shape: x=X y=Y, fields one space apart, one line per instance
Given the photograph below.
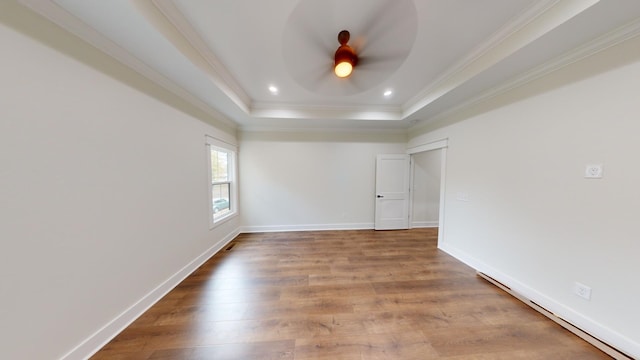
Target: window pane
x=223 y=203
x=220 y=194
x=219 y=166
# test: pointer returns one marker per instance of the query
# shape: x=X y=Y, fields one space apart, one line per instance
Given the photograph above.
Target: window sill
x=213 y=225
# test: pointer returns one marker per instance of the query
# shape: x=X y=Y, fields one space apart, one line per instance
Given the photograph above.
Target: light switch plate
x=593 y=171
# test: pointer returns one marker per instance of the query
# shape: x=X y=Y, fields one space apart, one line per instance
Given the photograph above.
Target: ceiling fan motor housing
x=345 y=53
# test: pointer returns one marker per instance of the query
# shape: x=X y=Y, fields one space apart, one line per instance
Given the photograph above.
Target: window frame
x=232 y=173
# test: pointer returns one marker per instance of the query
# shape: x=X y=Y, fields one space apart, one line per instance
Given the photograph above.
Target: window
x=222 y=183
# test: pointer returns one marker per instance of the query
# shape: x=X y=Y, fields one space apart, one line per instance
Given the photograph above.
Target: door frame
x=406 y=192
x=440 y=144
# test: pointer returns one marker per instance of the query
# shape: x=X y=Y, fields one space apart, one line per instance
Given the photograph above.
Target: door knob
x=379 y=196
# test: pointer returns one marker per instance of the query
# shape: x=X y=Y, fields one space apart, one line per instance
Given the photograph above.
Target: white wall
x=310 y=181
x=426 y=188
x=532 y=220
x=103 y=193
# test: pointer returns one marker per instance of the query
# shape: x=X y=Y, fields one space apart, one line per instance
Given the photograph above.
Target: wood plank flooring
x=341 y=295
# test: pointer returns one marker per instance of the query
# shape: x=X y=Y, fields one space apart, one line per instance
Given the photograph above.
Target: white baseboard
x=307 y=227
x=424 y=224
x=101 y=337
x=582 y=322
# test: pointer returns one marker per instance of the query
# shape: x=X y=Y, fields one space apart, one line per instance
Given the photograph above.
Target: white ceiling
x=436 y=55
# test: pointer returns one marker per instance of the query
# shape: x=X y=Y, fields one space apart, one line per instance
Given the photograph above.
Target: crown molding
x=324 y=130
x=612 y=38
x=539 y=19
x=58 y=15
x=499 y=36
x=212 y=66
x=534 y=22
x=291 y=111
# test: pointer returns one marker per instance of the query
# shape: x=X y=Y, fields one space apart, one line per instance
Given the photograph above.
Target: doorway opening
x=428 y=170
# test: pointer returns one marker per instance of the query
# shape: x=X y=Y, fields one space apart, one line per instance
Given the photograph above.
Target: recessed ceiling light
x=273 y=89
x=388 y=93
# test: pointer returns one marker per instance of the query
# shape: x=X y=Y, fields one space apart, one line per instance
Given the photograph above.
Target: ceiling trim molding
x=612 y=38
x=541 y=18
x=218 y=73
x=536 y=21
x=56 y=14
x=499 y=36
x=328 y=130
x=289 y=111
x=429 y=146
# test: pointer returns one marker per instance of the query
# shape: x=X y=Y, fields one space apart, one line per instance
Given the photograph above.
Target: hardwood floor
x=341 y=295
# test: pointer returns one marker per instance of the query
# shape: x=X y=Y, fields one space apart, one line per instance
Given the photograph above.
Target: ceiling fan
x=345 y=58
x=379 y=38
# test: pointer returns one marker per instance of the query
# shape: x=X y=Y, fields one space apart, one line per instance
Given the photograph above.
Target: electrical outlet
x=462 y=196
x=582 y=290
x=593 y=171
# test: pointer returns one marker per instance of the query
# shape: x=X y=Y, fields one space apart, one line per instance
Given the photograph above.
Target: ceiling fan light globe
x=345 y=60
x=343 y=69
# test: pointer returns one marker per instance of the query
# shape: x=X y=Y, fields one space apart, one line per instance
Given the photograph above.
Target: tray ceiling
x=435 y=56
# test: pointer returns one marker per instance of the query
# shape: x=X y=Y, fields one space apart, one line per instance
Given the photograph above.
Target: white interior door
x=392 y=192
